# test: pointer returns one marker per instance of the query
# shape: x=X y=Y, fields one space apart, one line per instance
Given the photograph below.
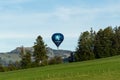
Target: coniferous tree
x=17 y=64
x=103 y=43
x=116 y=41
x=98 y=47
x=39 y=50
x=85 y=46
x=108 y=35
x=26 y=60
x=22 y=53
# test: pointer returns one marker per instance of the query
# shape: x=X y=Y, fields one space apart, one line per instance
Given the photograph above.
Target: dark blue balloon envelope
x=57 y=38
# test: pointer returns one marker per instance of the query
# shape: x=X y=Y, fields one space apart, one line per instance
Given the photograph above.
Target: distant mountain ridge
x=14 y=55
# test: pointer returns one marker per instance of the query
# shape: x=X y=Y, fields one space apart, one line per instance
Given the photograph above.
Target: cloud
x=67 y=17
x=8 y=2
x=20 y=22
x=15 y=36
x=61 y=14
x=13 y=6
x=64 y=13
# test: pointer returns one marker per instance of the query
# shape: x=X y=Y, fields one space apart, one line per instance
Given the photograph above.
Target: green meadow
x=100 y=69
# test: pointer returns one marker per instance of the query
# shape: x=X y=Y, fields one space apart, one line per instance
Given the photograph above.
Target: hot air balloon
x=57 y=38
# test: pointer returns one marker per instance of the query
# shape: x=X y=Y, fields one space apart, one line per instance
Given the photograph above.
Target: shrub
x=2 y=68
x=55 y=60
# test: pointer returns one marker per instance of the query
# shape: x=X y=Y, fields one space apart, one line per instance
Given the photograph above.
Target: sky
x=21 y=21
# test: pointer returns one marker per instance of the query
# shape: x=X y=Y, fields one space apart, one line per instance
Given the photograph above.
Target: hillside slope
x=100 y=69
x=14 y=55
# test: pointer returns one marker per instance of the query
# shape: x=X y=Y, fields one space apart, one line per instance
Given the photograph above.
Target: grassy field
x=100 y=69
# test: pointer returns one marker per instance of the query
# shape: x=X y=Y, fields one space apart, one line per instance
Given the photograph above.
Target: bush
x=51 y=61
x=11 y=67
x=58 y=59
x=2 y=68
x=55 y=60
x=44 y=62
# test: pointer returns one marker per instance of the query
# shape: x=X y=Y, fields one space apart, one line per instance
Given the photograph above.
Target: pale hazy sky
x=21 y=21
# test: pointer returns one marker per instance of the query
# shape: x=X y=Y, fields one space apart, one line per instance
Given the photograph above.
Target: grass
x=100 y=69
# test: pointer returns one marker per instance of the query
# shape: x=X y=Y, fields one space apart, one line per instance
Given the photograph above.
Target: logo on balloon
x=57 y=38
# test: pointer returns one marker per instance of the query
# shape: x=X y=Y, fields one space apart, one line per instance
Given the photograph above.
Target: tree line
x=91 y=45
x=37 y=59
x=101 y=44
